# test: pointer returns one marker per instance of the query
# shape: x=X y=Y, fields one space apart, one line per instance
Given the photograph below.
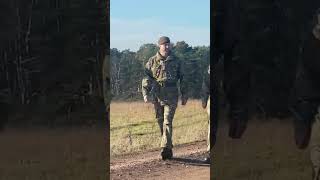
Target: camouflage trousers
x=164 y=116
x=315 y=146
x=209 y=127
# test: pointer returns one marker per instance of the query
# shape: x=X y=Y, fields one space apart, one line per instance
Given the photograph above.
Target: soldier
x=315 y=146
x=206 y=104
x=311 y=57
x=306 y=97
x=159 y=86
x=231 y=45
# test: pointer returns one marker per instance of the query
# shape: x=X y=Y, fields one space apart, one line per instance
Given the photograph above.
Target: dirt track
x=186 y=164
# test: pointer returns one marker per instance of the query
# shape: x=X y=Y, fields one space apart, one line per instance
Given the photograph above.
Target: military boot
x=207 y=159
x=166 y=153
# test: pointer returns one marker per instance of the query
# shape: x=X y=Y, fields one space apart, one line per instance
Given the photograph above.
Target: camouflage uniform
x=305 y=103
x=231 y=42
x=315 y=146
x=244 y=31
x=206 y=103
x=314 y=70
x=160 y=87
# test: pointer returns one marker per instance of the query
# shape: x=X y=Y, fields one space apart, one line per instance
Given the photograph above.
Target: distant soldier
x=159 y=86
x=306 y=102
x=206 y=104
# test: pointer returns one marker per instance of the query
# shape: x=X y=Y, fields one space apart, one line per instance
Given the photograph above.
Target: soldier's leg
x=107 y=118
x=159 y=115
x=237 y=88
x=207 y=159
x=209 y=127
x=169 y=111
x=315 y=146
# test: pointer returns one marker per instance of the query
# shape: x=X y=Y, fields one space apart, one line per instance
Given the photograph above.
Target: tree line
x=127 y=68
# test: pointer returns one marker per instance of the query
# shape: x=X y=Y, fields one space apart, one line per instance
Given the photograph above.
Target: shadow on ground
x=191 y=162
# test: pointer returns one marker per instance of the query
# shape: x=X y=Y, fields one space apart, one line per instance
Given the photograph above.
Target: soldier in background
x=159 y=86
x=315 y=69
x=206 y=105
x=305 y=104
x=231 y=40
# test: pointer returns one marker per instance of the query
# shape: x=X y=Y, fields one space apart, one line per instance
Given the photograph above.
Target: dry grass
x=134 y=128
x=53 y=155
x=267 y=151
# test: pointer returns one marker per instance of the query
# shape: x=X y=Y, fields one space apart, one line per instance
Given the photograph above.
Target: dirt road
x=186 y=164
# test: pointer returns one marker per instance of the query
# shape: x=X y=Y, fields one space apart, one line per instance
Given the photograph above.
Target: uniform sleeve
x=206 y=86
x=147 y=79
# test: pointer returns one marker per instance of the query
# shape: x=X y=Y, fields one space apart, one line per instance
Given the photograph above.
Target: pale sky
x=134 y=23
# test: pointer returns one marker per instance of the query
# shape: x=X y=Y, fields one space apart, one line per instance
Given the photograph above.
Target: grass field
x=133 y=126
x=53 y=154
x=266 y=151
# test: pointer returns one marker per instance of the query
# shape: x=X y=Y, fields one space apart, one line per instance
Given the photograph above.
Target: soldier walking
x=159 y=86
x=306 y=97
x=206 y=105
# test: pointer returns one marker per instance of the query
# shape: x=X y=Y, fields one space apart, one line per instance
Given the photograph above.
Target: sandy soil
x=187 y=163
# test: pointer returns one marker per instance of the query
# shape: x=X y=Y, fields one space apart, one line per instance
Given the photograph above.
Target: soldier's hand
x=145 y=99
x=184 y=101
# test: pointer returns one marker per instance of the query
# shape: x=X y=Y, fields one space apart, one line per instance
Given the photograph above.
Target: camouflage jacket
x=307 y=85
x=106 y=80
x=305 y=97
x=206 y=86
x=161 y=78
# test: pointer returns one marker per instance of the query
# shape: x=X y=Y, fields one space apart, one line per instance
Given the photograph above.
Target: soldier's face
x=165 y=49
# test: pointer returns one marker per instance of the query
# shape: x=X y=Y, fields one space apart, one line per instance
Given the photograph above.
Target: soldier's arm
x=206 y=87
x=147 y=79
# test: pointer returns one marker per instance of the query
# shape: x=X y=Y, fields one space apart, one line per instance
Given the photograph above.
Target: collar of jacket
x=159 y=57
